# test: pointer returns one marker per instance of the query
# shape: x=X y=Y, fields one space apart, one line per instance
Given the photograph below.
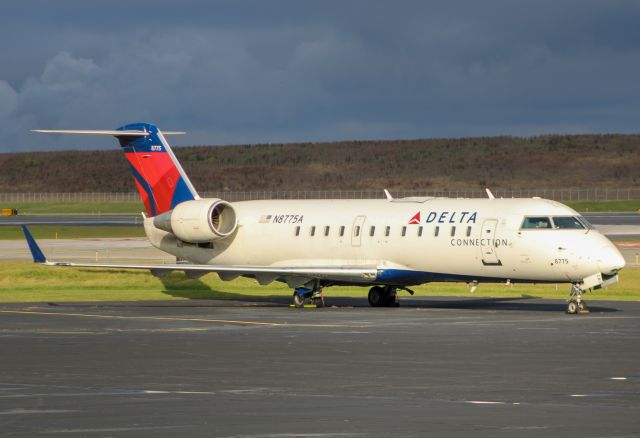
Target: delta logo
x=446 y=217
x=415 y=220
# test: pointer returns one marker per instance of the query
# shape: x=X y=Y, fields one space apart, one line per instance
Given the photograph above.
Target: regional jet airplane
x=388 y=245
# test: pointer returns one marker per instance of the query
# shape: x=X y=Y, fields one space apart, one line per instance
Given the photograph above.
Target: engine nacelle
x=199 y=221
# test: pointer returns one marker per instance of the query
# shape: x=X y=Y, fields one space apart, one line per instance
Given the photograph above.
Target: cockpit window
x=586 y=223
x=536 y=222
x=567 y=223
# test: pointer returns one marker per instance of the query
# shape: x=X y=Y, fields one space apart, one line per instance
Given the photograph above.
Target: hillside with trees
x=581 y=161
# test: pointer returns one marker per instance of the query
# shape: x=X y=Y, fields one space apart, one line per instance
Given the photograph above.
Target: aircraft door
x=487 y=243
x=357 y=230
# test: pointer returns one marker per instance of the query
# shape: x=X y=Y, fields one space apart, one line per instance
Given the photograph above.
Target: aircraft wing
x=293 y=276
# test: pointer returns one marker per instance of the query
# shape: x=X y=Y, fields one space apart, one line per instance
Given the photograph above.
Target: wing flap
x=292 y=275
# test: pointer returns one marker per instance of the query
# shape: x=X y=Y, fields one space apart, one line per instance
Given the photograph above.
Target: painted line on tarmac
x=176 y=318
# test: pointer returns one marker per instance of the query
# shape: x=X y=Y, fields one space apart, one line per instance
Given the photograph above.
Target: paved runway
x=434 y=367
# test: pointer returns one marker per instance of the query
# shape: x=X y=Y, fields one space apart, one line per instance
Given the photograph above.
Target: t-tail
x=158 y=175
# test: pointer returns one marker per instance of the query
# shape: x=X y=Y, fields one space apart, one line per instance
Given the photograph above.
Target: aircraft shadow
x=202 y=295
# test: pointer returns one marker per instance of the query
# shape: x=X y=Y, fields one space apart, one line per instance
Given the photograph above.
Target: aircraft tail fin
x=159 y=177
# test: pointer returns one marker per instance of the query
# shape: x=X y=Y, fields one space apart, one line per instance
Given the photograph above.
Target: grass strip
x=52 y=207
x=136 y=207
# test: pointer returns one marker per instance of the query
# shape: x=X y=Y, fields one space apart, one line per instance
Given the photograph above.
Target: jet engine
x=199 y=221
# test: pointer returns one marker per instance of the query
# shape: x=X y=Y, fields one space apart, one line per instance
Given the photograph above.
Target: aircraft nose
x=610 y=260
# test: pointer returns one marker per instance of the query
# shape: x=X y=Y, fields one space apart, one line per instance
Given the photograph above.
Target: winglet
x=388 y=195
x=36 y=252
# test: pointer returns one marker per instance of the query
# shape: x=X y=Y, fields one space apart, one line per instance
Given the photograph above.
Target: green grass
x=46 y=207
x=26 y=282
x=76 y=232
x=136 y=207
x=604 y=206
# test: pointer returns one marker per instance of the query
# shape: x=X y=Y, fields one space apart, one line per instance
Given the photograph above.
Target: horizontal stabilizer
x=115 y=133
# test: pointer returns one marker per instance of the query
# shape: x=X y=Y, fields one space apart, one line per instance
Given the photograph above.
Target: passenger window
x=436 y=231
x=326 y=231
x=453 y=231
x=297 y=230
x=404 y=231
x=387 y=231
x=357 y=231
x=341 y=230
x=567 y=223
x=313 y=231
x=372 y=231
x=468 y=231
x=536 y=222
x=419 y=231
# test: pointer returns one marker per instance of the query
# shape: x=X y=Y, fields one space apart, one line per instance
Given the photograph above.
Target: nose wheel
x=576 y=305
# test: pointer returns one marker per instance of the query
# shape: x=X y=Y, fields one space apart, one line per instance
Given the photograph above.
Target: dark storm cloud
x=264 y=71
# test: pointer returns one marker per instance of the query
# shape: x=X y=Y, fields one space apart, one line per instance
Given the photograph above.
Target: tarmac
x=432 y=367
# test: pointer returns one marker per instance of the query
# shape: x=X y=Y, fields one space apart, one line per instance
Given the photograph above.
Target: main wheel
x=298 y=300
x=390 y=300
x=376 y=296
x=572 y=307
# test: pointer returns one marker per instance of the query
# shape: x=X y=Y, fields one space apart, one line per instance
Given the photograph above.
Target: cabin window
x=326 y=231
x=387 y=231
x=297 y=230
x=372 y=231
x=341 y=230
x=468 y=231
x=313 y=231
x=536 y=222
x=419 y=231
x=567 y=223
x=453 y=231
x=404 y=231
x=436 y=231
x=356 y=232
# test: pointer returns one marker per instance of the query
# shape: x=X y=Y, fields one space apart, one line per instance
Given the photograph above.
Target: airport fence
x=576 y=194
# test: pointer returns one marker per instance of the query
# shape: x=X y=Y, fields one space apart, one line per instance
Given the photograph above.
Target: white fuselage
x=449 y=240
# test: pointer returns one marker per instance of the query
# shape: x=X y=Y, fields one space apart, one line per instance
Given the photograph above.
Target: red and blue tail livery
x=158 y=175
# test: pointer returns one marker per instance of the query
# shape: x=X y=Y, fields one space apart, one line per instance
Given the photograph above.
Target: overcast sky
x=279 y=71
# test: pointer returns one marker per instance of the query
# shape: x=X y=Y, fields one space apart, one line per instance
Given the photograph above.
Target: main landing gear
x=303 y=296
x=576 y=305
x=382 y=296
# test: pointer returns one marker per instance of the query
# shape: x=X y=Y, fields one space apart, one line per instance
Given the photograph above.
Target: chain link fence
x=593 y=194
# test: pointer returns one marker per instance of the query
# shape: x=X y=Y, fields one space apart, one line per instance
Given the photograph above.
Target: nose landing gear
x=576 y=305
